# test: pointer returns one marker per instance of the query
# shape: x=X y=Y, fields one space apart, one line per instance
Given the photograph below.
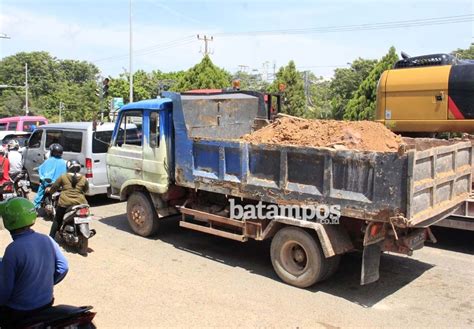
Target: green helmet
x=17 y=213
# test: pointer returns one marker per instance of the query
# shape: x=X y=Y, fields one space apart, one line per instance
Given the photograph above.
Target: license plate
x=82 y=220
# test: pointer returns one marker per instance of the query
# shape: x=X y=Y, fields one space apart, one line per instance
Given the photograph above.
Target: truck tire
x=141 y=214
x=333 y=265
x=297 y=257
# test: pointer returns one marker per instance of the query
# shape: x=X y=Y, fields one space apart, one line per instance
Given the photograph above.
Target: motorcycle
x=6 y=190
x=50 y=200
x=21 y=184
x=75 y=230
x=60 y=316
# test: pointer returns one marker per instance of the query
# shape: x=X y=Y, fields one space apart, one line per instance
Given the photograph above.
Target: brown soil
x=355 y=135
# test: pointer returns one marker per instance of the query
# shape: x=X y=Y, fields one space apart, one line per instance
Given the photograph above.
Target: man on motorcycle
x=15 y=158
x=31 y=266
x=52 y=168
x=73 y=187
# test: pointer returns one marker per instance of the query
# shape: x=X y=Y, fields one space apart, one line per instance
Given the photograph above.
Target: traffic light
x=105 y=87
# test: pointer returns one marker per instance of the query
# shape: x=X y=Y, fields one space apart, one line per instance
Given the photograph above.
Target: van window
x=100 y=141
x=53 y=136
x=3 y=126
x=12 y=125
x=35 y=139
x=71 y=141
x=130 y=123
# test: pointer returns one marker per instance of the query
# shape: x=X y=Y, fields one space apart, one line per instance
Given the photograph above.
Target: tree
x=204 y=75
x=319 y=98
x=345 y=83
x=294 y=102
x=464 y=53
x=50 y=81
x=249 y=81
x=362 y=105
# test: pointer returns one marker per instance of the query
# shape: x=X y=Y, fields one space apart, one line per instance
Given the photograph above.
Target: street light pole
x=131 y=49
x=26 y=88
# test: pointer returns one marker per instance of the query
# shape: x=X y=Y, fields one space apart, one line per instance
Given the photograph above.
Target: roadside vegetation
x=349 y=94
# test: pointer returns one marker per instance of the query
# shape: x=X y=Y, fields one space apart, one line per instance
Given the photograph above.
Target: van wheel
x=141 y=214
x=297 y=257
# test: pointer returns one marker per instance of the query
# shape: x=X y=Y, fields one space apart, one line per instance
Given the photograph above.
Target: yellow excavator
x=427 y=95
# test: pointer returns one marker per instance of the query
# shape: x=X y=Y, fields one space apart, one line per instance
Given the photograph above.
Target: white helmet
x=13 y=145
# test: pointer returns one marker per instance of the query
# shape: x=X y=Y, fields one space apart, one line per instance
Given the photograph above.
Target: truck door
x=155 y=164
x=125 y=156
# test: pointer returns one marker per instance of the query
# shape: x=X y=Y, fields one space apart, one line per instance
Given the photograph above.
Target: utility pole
x=26 y=88
x=61 y=108
x=206 y=41
x=131 y=49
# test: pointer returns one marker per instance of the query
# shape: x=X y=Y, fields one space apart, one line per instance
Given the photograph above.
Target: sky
x=165 y=32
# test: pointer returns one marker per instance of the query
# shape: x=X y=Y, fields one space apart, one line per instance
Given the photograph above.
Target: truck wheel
x=141 y=214
x=297 y=257
x=332 y=266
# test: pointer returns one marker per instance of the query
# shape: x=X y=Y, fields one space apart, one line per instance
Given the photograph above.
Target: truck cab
x=140 y=156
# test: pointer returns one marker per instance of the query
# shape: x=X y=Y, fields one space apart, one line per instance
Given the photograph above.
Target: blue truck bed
x=412 y=188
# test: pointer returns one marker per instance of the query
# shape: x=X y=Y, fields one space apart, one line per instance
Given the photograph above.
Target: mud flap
x=86 y=232
x=370 y=263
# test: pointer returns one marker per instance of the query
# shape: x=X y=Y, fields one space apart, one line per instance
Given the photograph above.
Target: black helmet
x=56 y=150
x=73 y=166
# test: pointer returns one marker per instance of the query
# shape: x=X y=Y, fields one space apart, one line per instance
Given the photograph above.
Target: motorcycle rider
x=31 y=266
x=52 y=168
x=4 y=169
x=15 y=158
x=73 y=187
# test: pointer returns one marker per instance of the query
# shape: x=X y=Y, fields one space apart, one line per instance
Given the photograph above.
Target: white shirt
x=16 y=161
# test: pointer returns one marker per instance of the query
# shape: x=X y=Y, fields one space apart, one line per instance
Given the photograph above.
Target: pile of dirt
x=354 y=135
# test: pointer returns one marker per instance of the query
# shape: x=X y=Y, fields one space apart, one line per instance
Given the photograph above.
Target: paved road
x=184 y=278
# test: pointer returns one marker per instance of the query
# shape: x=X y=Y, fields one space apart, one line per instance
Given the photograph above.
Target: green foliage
x=50 y=81
x=362 y=105
x=204 y=75
x=465 y=53
x=294 y=102
x=345 y=83
x=252 y=82
x=319 y=98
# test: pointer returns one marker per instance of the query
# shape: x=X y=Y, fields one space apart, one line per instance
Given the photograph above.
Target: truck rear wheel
x=297 y=257
x=141 y=214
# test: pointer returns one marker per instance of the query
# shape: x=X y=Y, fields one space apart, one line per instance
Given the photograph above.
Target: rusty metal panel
x=219 y=116
x=442 y=178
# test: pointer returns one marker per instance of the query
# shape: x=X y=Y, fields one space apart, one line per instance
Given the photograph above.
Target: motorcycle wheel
x=83 y=245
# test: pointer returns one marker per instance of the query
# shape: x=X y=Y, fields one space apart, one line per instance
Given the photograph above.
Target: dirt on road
x=354 y=135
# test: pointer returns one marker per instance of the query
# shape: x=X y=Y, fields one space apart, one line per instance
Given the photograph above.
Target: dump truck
x=428 y=95
x=189 y=160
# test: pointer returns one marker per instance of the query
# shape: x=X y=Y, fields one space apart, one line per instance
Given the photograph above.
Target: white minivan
x=80 y=142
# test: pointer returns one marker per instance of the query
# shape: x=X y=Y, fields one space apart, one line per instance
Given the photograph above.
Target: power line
x=359 y=27
x=150 y=49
